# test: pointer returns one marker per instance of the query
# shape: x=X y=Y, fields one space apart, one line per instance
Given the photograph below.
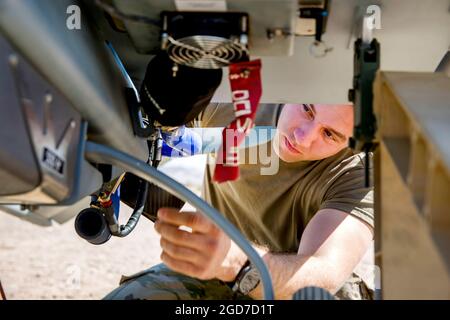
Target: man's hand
x=332 y=245
x=205 y=253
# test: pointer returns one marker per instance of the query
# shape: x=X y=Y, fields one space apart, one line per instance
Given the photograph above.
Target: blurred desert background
x=55 y=263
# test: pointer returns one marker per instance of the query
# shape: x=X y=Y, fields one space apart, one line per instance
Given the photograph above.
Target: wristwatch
x=247 y=279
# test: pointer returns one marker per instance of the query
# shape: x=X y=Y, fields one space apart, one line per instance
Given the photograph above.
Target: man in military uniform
x=311 y=222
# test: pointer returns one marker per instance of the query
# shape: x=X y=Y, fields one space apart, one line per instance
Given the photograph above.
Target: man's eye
x=308 y=110
x=328 y=134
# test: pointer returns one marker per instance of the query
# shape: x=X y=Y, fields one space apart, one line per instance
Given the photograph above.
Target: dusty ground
x=54 y=263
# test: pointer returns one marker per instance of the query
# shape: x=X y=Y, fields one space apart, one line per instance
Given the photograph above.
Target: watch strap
x=239 y=276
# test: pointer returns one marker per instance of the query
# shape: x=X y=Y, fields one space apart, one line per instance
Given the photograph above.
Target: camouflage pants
x=161 y=283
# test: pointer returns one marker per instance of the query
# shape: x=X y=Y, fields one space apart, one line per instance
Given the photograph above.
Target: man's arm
x=332 y=245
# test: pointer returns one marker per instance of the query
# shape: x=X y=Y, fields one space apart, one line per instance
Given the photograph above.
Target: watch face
x=249 y=281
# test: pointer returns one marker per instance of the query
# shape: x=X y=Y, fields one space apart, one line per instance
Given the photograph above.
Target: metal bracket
x=366 y=64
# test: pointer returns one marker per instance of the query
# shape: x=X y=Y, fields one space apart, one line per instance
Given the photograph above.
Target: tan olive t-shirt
x=273 y=210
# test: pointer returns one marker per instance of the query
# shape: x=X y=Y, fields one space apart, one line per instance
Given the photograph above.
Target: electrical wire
x=125 y=230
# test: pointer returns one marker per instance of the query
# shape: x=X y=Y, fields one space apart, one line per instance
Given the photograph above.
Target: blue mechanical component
x=115 y=198
x=181 y=142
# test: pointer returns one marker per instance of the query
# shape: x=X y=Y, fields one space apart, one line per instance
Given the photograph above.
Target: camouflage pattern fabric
x=355 y=289
x=161 y=283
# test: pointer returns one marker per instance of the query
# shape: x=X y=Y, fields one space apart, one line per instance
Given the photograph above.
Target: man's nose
x=306 y=135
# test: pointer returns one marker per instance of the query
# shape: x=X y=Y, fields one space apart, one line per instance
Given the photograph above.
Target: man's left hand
x=204 y=253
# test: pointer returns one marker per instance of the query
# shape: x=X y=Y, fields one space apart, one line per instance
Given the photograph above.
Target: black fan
x=205 y=52
x=205 y=40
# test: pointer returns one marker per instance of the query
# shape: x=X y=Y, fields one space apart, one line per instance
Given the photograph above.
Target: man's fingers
x=180 y=237
x=181 y=266
x=193 y=220
x=182 y=253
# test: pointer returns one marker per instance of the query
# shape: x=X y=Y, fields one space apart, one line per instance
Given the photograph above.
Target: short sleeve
x=348 y=193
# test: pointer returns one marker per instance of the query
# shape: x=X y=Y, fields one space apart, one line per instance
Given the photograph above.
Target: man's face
x=312 y=132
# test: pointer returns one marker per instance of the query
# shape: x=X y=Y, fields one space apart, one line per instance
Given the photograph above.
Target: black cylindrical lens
x=90 y=224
